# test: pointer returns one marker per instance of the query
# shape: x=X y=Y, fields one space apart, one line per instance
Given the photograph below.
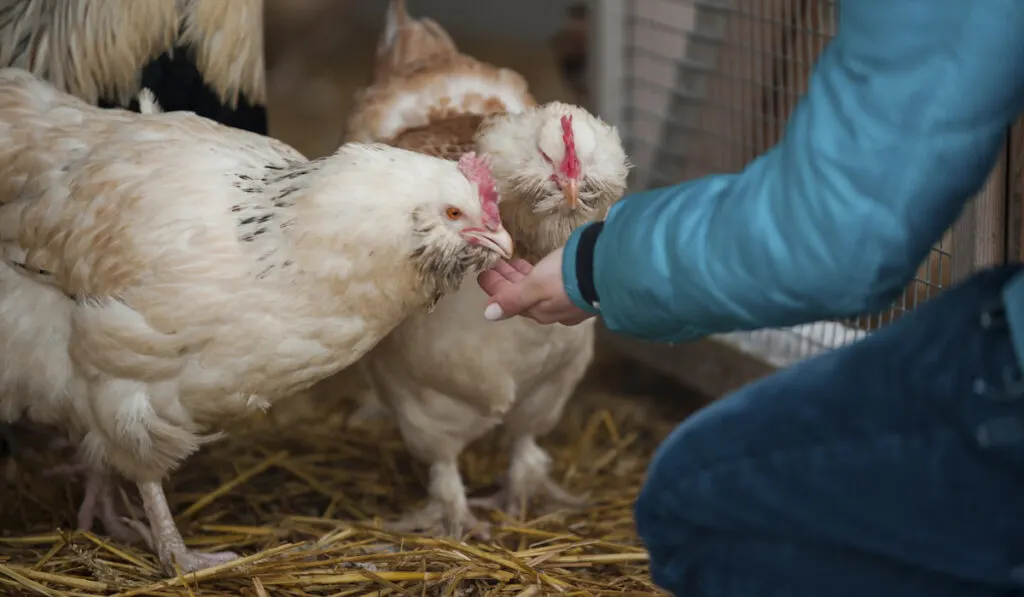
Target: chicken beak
x=499 y=241
x=571 y=190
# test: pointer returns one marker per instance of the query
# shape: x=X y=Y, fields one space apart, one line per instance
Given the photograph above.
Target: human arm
x=906 y=111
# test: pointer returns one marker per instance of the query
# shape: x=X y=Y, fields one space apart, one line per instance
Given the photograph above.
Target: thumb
x=512 y=300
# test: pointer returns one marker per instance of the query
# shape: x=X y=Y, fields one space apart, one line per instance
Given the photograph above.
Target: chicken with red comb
x=145 y=259
x=448 y=378
x=477 y=170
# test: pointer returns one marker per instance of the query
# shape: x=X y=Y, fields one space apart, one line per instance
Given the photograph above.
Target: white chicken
x=550 y=159
x=203 y=56
x=161 y=274
x=449 y=379
x=547 y=159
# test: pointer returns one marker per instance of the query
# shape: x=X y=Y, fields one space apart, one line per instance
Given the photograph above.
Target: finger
x=521 y=265
x=494 y=279
x=492 y=282
x=514 y=270
x=512 y=299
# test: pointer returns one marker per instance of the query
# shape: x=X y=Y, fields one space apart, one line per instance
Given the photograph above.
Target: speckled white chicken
x=451 y=376
x=161 y=274
x=204 y=56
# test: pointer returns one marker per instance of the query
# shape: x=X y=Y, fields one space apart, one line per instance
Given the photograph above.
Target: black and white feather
x=203 y=56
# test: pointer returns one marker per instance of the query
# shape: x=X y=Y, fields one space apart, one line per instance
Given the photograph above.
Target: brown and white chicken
x=450 y=376
x=161 y=274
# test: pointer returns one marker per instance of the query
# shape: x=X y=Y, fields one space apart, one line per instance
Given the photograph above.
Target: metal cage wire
x=704 y=86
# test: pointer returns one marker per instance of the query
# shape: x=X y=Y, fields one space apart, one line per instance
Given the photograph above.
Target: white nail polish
x=493 y=312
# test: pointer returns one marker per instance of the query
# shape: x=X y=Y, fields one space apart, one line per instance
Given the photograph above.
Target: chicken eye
x=453 y=213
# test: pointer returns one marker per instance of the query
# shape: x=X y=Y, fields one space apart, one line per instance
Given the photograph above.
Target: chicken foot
x=447 y=513
x=163 y=536
x=99 y=501
x=529 y=477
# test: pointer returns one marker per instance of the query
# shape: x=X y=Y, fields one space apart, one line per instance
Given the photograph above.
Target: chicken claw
x=99 y=492
x=554 y=498
x=447 y=512
x=163 y=537
x=432 y=519
x=528 y=478
x=99 y=495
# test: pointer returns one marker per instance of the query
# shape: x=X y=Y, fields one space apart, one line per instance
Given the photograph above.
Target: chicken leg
x=101 y=495
x=447 y=512
x=163 y=536
x=370 y=409
x=528 y=477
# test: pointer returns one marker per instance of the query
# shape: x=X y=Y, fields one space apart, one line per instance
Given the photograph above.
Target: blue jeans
x=893 y=467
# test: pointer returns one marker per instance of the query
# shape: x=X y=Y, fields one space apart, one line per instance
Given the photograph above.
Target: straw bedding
x=298 y=495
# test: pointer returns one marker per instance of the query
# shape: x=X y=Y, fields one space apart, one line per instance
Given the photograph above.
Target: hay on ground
x=299 y=501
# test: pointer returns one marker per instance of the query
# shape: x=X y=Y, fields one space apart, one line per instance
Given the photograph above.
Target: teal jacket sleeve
x=905 y=113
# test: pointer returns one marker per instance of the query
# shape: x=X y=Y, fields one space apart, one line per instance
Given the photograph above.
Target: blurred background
x=319 y=52
x=695 y=86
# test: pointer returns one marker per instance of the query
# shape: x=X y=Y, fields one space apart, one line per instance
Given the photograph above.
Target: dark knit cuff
x=585 y=263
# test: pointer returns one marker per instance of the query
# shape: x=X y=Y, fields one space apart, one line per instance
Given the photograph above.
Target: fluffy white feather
x=161 y=274
x=451 y=376
x=148 y=103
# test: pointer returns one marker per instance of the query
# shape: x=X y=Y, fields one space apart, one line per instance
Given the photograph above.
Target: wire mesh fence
x=707 y=85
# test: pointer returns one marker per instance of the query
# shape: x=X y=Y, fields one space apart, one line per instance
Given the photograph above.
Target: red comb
x=570 y=163
x=477 y=170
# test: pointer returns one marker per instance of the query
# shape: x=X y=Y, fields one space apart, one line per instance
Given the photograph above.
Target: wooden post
x=607 y=70
x=979 y=235
x=1015 y=195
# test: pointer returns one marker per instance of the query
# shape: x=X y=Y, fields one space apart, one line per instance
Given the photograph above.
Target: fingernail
x=493 y=312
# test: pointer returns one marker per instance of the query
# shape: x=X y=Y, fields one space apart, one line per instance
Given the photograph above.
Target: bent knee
x=674 y=545
x=684 y=480
x=661 y=497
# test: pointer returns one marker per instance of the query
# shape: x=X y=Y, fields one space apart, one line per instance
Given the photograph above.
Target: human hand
x=537 y=292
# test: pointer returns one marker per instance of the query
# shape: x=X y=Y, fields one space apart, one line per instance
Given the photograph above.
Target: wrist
x=578 y=267
x=585 y=264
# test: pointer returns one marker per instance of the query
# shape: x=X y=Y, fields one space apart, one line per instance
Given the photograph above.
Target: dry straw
x=298 y=497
